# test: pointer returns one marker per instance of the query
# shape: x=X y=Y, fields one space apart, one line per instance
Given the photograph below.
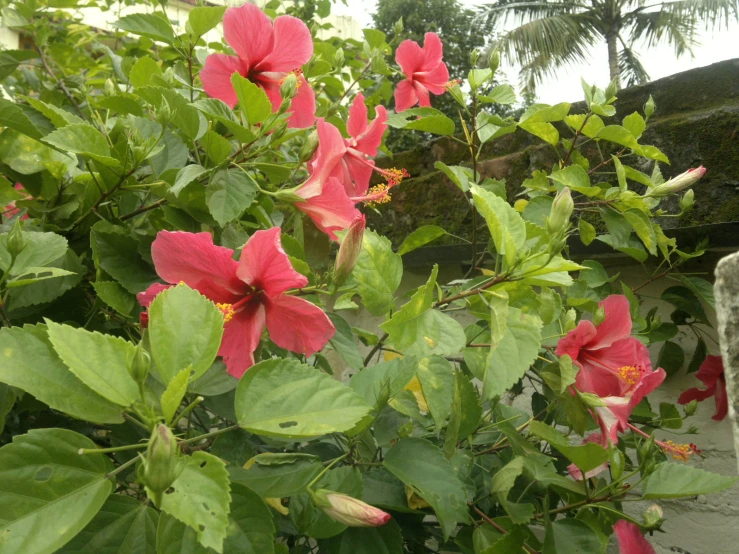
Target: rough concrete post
x=727 y=312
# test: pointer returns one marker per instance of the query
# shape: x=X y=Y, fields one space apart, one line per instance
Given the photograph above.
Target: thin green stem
x=82 y=451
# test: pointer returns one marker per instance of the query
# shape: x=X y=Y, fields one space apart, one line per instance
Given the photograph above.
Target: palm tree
x=554 y=33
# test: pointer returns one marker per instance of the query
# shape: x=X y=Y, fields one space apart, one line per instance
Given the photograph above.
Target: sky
x=659 y=61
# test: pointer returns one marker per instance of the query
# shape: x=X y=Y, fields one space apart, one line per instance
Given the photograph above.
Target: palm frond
x=714 y=13
x=522 y=11
x=630 y=67
x=656 y=27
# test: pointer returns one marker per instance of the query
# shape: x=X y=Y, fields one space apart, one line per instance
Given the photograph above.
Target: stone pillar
x=727 y=312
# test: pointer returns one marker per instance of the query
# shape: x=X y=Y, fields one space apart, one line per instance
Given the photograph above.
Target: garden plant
x=184 y=244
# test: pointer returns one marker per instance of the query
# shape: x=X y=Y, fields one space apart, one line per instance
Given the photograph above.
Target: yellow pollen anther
x=453 y=83
x=395 y=176
x=629 y=374
x=680 y=452
x=227 y=310
x=379 y=194
x=298 y=72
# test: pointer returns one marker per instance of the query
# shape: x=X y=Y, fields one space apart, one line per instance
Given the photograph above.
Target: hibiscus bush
x=184 y=245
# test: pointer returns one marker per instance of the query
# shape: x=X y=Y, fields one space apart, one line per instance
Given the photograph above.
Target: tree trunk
x=612 y=41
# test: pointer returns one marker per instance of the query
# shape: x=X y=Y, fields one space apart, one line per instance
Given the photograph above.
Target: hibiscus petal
x=617 y=323
x=599 y=367
x=711 y=370
x=216 y=77
x=424 y=99
x=357 y=122
x=371 y=138
x=722 y=401
x=270 y=83
x=576 y=474
x=613 y=417
x=297 y=325
x=405 y=96
x=248 y=30
x=434 y=80
x=331 y=148
x=433 y=51
x=647 y=384
x=147 y=297
x=573 y=342
x=630 y=539
x=192 y=258
x=241 y=338
x=332 y=210
x=696 y=394
x=303 y=106
x=360 y=174
x=292 y=48
x=265 y=266
x=410 y=57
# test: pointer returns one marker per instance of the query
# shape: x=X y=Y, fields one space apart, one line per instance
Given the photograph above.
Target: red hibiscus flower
x=11 y=210
x=609 y=359
x=250 y=292
x=325 y=199
x=353 y=169
x=266 y=53
x=424 y=72
x=711 y=373
x=630 y=539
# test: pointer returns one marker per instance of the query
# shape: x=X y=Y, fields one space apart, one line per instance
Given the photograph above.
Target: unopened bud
x=339 y=58
x=649 y=107
x=494 y=60
x=690 y=408
x=611 y=89
x=348 y=510
x=141 y=364
x=160 y=464
x=289 y=196
x=349 y=250
x=600 y=316
x=17 y=242
x=289 y=86
x=474 y=56
x=398 y=27
x=687 y=200
x=309 y=147
x=653 y=517
x=109 y=88
x=676 y=184
x=559 y=216
x=164 y=113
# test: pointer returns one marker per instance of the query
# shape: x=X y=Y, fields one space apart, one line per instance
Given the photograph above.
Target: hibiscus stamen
x=681 y=452
x=453 y=83
x=379 y=194
x=298 y=72
x=227 y=310
x=629 y=374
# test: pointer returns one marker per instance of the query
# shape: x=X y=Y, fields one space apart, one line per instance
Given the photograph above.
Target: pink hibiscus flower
x=250 y=292
x=353 y=169
x=630 y=539
x=266 y=52
x=711 y=373
x=424 y=72
x=607 y=356
x=325 y=200
x=11 y=210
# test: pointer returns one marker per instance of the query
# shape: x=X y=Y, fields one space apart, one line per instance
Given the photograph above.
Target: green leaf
x=508 y=361
x=586 y=457
x=587 y=232
x=643 y=227
x=571 y=536
x=671 y=358
x=83 y=139
x=28 y=361
x=567 y=372
x=576 y=178
x=100 y=361
x=437 y=333
x=699 y=356
x=36 y=274
x=619 y=135
x=216 y=147
x=251 y=529
x=151 y=25
x=437 y=383
x=536 y=120
x=506 y=227
x=669 y=416
x=12 y=116
x=679 y=480
x=185 y=176
x=46 y=485
x=9 y=60
x=145 y=72
x=428 y=120
x=420 y=237
x=378 y=272
x=277 y=475
x=505 y=477
x=701 y=287
x=174 y=393
x=457 y=174
x=501 y=94
x=403 y=326
x=284 y=398
x=202 y=19
x=115 y=296
x=470 y=404
x=491 y=127
x=41 y=249
x=373 y=540
x=252 y=99
x=229 y=193
x=423 y=467
x=174 y=537
x=200 y=498
x=216 y=380
x=122 y=526
x=117 y=254
x=345 y=343
x=185 y=329
x=635 y=124
x=384 y=380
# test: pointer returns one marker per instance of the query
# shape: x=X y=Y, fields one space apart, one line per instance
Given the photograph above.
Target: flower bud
x=289 y=86
x=348 y=510
x=600 y=316
x=653 y=517
x=676 y=184
x=687 y=200
x=109 y=88
x=339 y=58
x=164 y=113
x=494 y=60
x=474 y=56
x=649 y=107
x=398 y=27
x=16 y=241
x=309 y=147
x=160 y=464
x=139 y=369
x=690 y=408
x=349 y=250
x=288 y=195
x=559 y=216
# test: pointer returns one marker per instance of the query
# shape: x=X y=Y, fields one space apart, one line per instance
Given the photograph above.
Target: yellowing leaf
x=388 y=355
x=415 y=387
x=276 y=503
x=415 y=502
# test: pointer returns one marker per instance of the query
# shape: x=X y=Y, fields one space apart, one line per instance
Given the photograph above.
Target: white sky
x=659 y=61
